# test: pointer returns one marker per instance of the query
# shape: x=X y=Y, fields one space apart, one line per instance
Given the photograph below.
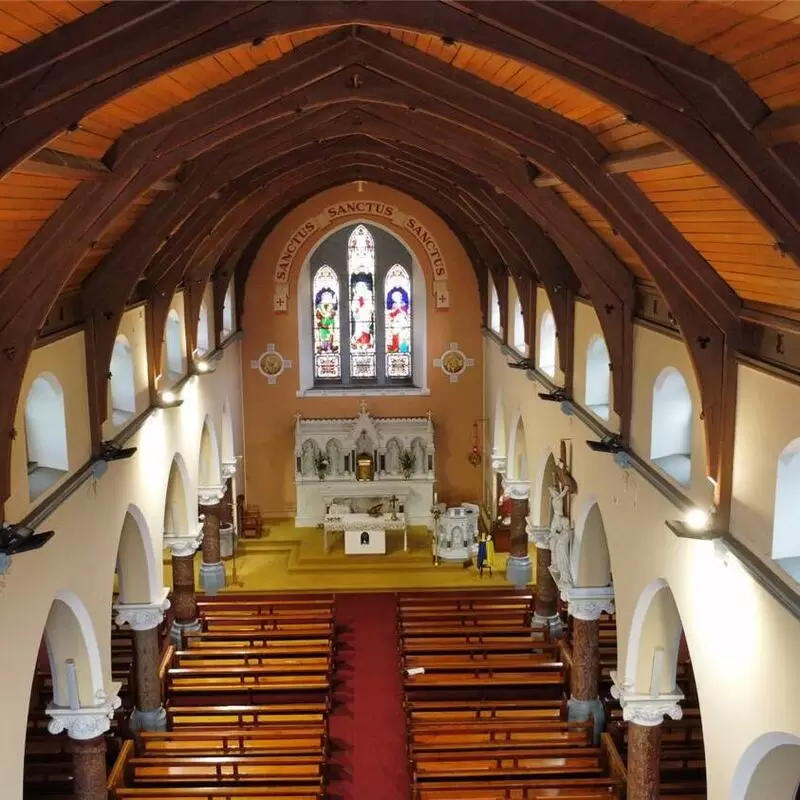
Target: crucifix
x=393 y=502
x=564 y=477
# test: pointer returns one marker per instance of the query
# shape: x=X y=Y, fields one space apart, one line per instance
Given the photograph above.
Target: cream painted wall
x=132 y=327
x=652 y=353
x=66 y=360
x=81 y=557
x=745 y=647
x=768 y=418
x=587 y=326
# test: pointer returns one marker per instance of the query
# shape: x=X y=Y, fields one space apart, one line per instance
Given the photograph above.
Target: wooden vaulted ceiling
x=588 y=145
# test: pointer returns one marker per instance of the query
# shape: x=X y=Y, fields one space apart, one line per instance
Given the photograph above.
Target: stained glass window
x=361 y=273
x=327 y=360
x=397 y=322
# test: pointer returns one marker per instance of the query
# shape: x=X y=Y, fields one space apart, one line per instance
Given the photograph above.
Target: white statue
x=557 y=502
x=560 y=534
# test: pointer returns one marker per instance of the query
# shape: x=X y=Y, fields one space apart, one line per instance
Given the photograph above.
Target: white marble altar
x=342 y=442
x=363 y=533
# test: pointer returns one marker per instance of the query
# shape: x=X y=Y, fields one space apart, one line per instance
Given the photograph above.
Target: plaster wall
x=80 y=559
x=65 y=359
x=768 y=419
x=744 y=645
x=269 y=409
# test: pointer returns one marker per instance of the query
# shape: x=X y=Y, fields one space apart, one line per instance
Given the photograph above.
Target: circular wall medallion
x=453 y=362
x=271 y=364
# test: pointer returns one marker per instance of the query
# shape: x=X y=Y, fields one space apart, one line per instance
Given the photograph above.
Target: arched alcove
x=598 y=377
x=590 y=560
x=520 y=344
x=123 y=385
x=671 y=426
x=768 y=768
x=209 y=472
x=786 y=525
x=654 y=641
x=495 y=320
x=69 y=635
x=228 y=452
x=227 y=313
x=545 y=478
x=203 y=330
x=177 y=518
x=547 y=344
x=45 y=434
x=517 y=459
x=136 y=564
x=173 y=344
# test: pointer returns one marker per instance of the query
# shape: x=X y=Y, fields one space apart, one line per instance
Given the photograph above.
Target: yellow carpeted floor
x=287 y=558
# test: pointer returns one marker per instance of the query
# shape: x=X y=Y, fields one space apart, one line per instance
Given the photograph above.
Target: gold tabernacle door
x=364 y=468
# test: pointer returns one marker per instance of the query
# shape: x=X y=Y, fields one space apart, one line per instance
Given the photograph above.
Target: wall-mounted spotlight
x=113 y=452
x=556 y=396
x=203 y=367
x=697 y=523
x=169 y=399
x=19 y=539
x=608 y=444
x=525 y=363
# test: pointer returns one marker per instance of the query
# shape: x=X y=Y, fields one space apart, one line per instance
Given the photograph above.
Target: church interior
x=400 y=400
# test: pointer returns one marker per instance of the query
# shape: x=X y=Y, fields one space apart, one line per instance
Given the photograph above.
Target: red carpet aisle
x=367 y=727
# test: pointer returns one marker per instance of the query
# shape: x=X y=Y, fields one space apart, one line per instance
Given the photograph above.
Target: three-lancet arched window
x=362 y=315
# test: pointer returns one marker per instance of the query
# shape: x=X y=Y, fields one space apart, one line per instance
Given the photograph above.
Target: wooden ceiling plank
x=64 y=165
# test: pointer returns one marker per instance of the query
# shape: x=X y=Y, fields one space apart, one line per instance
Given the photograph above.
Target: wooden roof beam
x=780 y=127
x=652 y=156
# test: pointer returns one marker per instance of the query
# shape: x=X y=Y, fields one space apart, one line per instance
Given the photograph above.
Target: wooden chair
x=252 y=522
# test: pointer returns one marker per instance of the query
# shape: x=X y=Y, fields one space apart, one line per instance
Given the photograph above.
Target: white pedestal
x=355 y=544
x=226 y=540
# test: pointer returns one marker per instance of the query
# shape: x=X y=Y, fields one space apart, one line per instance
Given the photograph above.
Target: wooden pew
x=263 y=678
x=471 y=658
x=221 y=716
x=470 y=644
x=263 y=740
x=572 y=789
x=318 y=609
x=299 y=629
x=275 y=640
x=488 y=735
x=509 y=764
x=420 y=711
x=251 y=657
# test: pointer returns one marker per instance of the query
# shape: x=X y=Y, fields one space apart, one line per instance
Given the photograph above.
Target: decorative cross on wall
x=271 y=364
x=280 y=303
x=453 y=362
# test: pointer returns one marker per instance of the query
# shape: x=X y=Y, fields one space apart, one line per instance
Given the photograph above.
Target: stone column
x=212 y=570
x=644 y=715
x=545 y=612
x=144 y=619
x=85 y=727
x=519 y=569
x=586 y=606
x=184 y=600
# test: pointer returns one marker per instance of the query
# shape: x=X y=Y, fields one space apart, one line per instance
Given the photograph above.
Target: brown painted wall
x=269 y=410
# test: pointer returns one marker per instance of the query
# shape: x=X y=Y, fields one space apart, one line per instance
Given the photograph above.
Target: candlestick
x=73 y=696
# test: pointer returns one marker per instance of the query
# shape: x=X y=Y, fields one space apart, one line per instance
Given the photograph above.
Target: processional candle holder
x=436 y=512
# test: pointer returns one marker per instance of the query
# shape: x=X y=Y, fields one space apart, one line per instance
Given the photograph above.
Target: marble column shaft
x=211 y=550
x=518 y=533
x=146 y=660
x=184 y=600
x=585 y=674
x=644 y=755
x=546 y=589
x=89 y=768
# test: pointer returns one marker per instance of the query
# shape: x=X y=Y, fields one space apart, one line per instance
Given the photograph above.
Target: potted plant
x=407 y=463
x=321 y=464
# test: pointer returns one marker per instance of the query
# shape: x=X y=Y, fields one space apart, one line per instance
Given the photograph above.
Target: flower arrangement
x=408 y=461
x=321 y=465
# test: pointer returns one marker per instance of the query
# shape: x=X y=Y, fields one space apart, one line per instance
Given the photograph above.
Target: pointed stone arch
x=540 y=498
x=590 y=559
x=499 y=442
x=137 y=572
x=209 y=470
x=769 y=767
x=517 y=452
x=178 y=504
x=69 y=635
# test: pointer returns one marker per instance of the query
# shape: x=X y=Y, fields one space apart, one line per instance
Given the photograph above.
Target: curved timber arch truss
x=459 y=144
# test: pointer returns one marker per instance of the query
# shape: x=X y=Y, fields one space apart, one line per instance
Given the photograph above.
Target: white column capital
x=516 y=489
x=210 y=495
x=86 y=722
x=498 y=463
x=538 y=534
x=229 y=467
x=589 y=603
x=645 y=709
x=142 y=616
x=184 y=544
